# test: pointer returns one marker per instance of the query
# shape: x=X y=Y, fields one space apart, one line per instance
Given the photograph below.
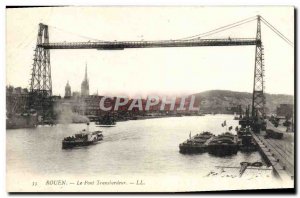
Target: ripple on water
x=140 y=146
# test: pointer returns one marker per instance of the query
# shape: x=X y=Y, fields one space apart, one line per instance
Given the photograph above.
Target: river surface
x=137 y=147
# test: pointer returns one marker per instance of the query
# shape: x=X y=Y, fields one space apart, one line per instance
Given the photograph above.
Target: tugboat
x=83 y=138
x=224 y=144
x=196 y=144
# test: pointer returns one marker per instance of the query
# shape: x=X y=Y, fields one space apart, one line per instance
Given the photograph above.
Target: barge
x=224 y=144
x=196 y=144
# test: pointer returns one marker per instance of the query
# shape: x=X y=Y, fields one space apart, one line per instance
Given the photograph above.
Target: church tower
x=85 y=91
x=68 y=90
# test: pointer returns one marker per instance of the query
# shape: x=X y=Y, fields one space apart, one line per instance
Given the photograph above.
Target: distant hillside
x=219 y=101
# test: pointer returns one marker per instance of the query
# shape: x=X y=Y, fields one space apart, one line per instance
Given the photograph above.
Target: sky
x=142 y=72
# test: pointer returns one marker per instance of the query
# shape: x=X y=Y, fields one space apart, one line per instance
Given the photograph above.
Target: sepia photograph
x=150 y=99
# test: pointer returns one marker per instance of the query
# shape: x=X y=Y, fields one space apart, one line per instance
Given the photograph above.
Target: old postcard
x=149 y=99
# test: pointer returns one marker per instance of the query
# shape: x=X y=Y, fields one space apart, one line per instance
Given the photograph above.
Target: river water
x=136 y=147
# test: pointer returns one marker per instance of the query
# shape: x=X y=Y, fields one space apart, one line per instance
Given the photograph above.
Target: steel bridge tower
x=41 y=82
x=258 y=100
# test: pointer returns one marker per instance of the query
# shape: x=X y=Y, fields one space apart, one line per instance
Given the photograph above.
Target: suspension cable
x=86 y=37
x=277 y=32
x=206 y=35
x=222 y=28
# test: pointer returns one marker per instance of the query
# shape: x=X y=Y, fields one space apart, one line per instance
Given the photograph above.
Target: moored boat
x=196 y=144
x=246 y=141
x=106 y=120
x=224 y=144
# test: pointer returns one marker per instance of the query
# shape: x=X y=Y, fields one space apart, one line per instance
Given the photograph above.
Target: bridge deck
x=119 y=45
x=278 y=153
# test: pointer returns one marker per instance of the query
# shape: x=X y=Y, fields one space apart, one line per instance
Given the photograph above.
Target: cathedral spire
x=67 y=90
x=85 y=84
x=85 y=72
